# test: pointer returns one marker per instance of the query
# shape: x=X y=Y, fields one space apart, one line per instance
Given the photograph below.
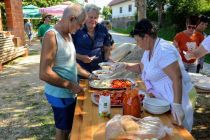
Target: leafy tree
x=106 y=12
x=180 y=9
x=44 y=3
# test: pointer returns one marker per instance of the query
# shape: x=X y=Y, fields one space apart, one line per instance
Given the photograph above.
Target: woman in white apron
x=163 y=72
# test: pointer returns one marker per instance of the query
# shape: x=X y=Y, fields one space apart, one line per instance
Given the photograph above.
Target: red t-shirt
x=184 y=42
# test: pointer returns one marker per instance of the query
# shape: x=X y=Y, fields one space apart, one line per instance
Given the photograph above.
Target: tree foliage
x=180 y=9
x=44 y=3
x=106 y=12
x=157 y=5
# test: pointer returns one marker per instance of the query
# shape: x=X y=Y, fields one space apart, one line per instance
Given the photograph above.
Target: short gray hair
x=92 y=7
x=75 y=10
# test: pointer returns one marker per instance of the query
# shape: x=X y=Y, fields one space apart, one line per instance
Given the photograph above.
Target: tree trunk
x=160 y=13
x=141 y=8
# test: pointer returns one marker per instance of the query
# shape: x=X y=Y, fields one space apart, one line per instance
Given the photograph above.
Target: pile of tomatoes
x=116 y=96
x=121 y=83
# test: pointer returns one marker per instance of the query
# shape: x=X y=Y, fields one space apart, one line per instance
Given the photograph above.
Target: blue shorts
x=64 y=116
x=63 y=109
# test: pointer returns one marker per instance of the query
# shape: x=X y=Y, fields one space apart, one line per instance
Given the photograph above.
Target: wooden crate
x=5 y=34
x=17 y=41
x=10 y=48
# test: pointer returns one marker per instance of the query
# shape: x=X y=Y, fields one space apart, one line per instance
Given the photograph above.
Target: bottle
x=131 y=103
x=104 y=106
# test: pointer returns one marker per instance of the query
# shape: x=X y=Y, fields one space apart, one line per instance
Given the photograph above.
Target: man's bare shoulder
x=50 y=33
x=49 y=40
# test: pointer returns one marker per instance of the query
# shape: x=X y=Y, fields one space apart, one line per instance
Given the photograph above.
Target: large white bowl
x=106 y=65
x=156 y=106
x=103 y=74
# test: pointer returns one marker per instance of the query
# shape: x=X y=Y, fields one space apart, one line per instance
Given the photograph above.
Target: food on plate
x=121 y=83
x=116 y=96
x=111 y=83
x=105 y=65
x=102 y=72
x=101 y=83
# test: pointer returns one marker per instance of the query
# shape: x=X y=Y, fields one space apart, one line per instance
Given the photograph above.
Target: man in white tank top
x=58 y=69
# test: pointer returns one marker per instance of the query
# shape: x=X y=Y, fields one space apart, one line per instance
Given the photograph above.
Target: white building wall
x=125 y=13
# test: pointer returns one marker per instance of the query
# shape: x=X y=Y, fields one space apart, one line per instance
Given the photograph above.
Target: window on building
x=120 y=9
x=129 y=8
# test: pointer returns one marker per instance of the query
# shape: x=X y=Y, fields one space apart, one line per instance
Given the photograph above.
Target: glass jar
x=131 y=103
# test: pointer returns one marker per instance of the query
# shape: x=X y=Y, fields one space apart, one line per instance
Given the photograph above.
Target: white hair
x=92 y=7
x=74 y=10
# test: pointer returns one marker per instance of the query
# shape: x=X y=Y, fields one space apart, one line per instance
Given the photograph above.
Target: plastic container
x=131 y=103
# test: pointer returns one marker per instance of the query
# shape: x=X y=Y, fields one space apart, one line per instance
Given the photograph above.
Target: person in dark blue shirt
x=108 y=26
x=92 y=42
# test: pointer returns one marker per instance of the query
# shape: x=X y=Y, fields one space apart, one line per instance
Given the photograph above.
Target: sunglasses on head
x=191 y=27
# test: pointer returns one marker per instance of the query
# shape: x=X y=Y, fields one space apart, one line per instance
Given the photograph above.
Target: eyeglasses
x=191 y=27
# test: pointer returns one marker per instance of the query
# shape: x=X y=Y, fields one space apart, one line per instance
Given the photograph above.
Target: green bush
x=167 y=32
x=179 y=10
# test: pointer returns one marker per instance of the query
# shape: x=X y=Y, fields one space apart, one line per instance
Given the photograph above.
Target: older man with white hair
x=58 y=69
x=92 y=42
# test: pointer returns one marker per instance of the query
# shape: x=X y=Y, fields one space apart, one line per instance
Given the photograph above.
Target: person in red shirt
x=188 y=40
x=202 y=25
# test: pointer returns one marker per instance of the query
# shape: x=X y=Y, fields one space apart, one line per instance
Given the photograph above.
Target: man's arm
x=47 y=61
x=134 y=67
x=200 y=52
x=84 y=58
x=107 y=52
x=82 y=72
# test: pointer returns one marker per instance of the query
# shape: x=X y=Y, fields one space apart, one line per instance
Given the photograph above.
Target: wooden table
x=88 y=125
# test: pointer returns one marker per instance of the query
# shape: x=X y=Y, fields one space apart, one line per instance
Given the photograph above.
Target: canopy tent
x=31 y=11
x=56 y=10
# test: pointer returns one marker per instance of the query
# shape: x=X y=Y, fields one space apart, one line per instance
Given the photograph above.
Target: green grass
x=122 y=30
x=165 y=32
x=207 y=58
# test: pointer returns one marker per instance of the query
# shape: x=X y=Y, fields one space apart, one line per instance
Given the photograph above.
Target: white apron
x=158 y=83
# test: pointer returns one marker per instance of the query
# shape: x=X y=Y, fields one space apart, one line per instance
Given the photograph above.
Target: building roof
x=115 y=2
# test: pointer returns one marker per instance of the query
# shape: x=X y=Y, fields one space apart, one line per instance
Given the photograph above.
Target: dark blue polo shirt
x=85 y=45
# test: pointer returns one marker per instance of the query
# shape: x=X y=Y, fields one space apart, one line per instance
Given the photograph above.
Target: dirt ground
x=25 y=114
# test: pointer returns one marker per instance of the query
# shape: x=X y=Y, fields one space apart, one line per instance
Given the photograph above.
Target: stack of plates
x=200 y=81
x=156 y=106
x=195 y=77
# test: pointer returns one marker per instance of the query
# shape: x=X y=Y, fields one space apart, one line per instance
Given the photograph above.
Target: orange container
x=131 y=103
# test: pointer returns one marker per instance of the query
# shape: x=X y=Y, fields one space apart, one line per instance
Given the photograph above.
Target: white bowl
x=106 y=65
x=102 y=74
x=156 y=106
